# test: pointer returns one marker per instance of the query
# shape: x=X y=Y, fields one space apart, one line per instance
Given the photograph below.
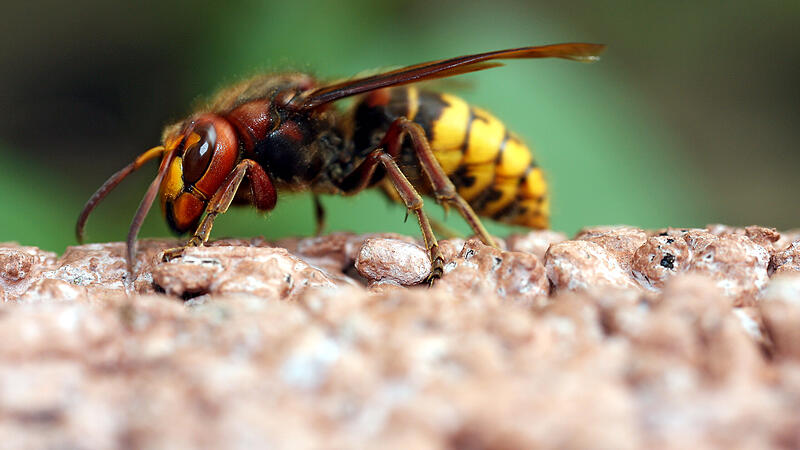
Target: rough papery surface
x=787 y=260
x=765 y=237
x=252 y=346
x=481 y=269
x=659 y=258
x=536 y=242
x=335 y=252
x=101 y=267
x=333 y=249
x=451 y=248
x=265 y=272
x=620 y=241
x=20 y=266
x=780 y=308
x=697 y=239
x=738 y=265
x=786 y=238
x=584 y=265
x=738 y=259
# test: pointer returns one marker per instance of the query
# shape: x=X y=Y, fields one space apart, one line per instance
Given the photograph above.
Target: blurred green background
x=690 y=118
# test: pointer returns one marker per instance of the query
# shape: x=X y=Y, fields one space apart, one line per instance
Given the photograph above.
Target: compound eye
x=199 y=148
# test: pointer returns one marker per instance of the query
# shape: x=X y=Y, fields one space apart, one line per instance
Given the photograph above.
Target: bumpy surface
x=620 y=338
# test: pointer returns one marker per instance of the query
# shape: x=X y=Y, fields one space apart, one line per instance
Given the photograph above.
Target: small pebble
x=383 y=259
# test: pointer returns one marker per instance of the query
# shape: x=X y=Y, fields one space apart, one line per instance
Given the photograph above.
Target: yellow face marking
x=534 y=185
x=515 y=159
x=450 y=128
x=172 y=185
x=483 y=175
x=485 y=136
x=413 y=102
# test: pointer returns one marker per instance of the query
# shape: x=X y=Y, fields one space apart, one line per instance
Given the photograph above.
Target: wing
x=446 y=68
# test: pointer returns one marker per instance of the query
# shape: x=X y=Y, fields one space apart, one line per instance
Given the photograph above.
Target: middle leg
x=319 y=215
x=359 y=178
x=443 y=189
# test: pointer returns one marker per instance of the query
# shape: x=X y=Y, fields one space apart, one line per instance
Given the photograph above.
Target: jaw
x=184 y=213
x=182 y=209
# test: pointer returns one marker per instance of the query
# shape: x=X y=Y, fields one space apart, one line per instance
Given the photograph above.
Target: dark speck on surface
x=668 y=261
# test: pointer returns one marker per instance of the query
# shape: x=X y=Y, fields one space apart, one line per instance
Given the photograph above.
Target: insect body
x=491 y=168
x=281 y=133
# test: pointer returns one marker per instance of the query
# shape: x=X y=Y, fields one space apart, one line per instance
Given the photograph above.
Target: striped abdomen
x=491 y=168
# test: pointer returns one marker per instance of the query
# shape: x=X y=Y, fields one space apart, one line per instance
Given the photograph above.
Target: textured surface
x=242 y=344
x=393 y=260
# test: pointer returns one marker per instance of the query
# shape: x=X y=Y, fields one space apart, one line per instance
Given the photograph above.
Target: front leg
x=263 y=197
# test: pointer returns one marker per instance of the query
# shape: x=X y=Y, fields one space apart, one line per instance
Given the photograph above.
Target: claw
x=437 y=270
x=172 y=253
x=175 y=253
x=431 y=280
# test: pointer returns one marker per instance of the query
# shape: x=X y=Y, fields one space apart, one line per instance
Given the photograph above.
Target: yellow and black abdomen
x=491 y=168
